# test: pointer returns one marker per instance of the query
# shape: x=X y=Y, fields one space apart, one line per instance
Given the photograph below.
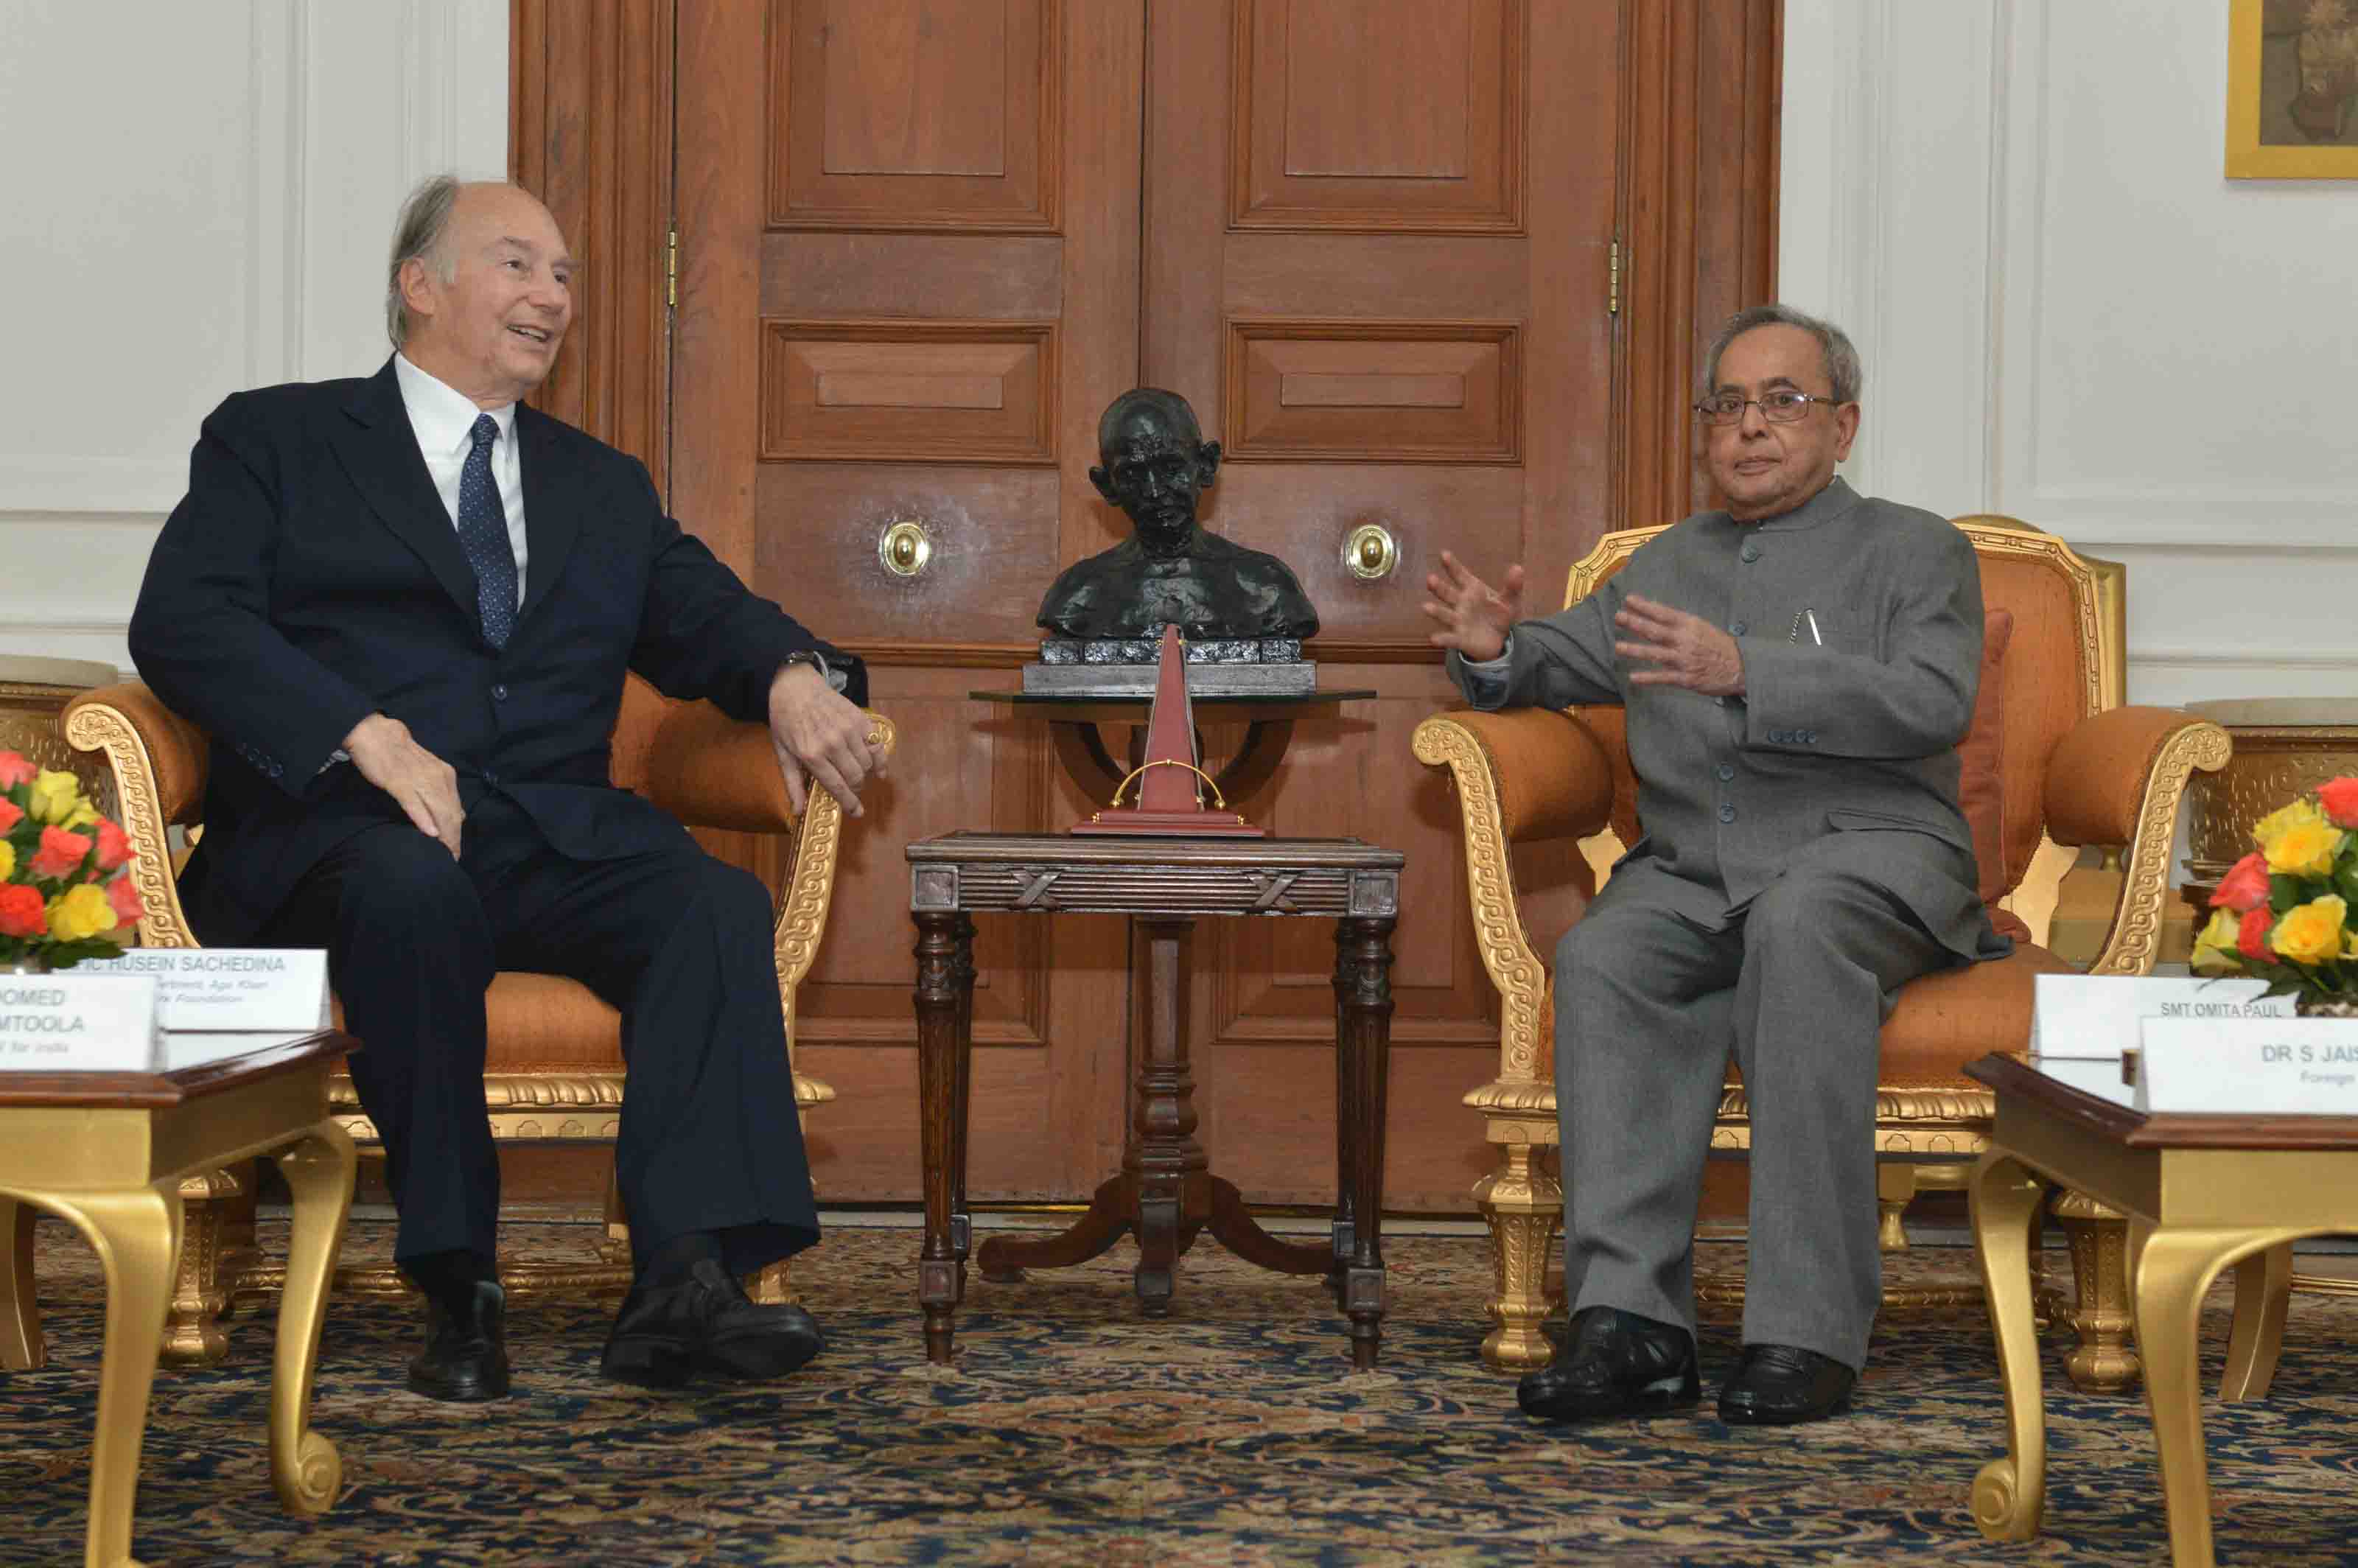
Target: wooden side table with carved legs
x=1165 y=1193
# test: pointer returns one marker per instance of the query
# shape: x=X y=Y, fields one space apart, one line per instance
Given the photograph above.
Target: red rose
x=2251 y=936
x=60 y=853
x=124 y=898
x=11 y=814
x=114 y=846
x=2338 y=798
x=22 y=911
x=15 y=770
x=2246 y=886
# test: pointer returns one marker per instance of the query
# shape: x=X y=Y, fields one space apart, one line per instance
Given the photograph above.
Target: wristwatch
x=836 y=680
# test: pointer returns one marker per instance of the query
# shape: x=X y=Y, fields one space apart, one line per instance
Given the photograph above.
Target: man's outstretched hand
x=819 y=735
x=1680 y=649
x=1472 y=616
x=423 y=785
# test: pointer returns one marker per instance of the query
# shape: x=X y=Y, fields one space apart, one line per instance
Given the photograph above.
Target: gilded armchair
x=2054 y=761
x=554 y=1073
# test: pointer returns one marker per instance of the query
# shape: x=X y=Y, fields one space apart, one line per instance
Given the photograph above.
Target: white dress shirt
x=443 y=419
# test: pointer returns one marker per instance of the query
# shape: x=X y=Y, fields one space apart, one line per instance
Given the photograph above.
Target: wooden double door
x=920 y=244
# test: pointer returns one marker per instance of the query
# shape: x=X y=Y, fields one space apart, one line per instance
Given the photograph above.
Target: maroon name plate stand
x=1166 y=861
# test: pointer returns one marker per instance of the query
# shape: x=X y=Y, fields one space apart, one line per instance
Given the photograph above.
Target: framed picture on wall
x=2292 y=89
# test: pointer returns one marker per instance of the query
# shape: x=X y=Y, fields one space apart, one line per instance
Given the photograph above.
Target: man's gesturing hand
x=1685 y=650
x=819 y=735
x=1473 y=616
x=423 y=785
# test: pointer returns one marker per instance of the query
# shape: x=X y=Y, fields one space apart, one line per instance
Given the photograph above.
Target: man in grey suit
x=1797 y=671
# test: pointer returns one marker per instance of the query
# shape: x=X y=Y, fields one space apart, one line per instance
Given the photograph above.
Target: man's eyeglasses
x=1782 y=406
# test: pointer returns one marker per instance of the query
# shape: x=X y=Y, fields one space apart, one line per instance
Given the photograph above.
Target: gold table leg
x=136 y=1234
x=2170 y=1270
x=304 y=1466
x=2263 y=1291
x=2258 y=1335
x=2010 y=1493
x=21 y=1349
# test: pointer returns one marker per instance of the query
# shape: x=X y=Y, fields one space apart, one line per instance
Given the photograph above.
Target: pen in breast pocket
x=1806 y=618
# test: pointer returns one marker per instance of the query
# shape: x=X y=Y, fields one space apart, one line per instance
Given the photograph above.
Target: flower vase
x=2326 y=1007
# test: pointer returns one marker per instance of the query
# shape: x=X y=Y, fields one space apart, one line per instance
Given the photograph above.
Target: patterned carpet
x=1071 y=1432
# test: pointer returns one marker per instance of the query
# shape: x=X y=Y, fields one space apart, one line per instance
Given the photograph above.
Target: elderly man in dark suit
x=1797 y=671
x=403 y=607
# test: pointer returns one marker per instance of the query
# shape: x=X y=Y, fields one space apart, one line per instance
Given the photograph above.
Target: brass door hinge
x=1613 y=280
x=671 y=272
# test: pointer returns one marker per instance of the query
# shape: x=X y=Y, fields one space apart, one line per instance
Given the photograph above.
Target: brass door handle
x=1370 y=552
x=904 y=548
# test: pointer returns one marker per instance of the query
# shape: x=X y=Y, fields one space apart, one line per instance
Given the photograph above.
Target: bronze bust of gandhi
x=1154 y=463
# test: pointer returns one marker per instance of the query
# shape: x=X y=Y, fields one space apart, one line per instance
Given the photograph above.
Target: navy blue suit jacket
x=312 y=576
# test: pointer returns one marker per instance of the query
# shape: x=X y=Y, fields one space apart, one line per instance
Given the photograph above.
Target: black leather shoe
x=466 y=1355
x=1616 y=1363
x=1780 y=1385
x=702 y=1321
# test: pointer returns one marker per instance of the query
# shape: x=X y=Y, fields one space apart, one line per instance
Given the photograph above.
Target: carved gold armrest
x=1524 y=774
x=2118 y=778
x=159 y=762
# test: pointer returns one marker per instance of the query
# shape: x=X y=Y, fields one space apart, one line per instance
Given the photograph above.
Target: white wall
x=201 y=198
x=2069 y=315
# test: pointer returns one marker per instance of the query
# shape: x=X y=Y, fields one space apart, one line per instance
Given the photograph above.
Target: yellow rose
x=55 y=795
x=2268 y=829
x=84 y=910
x=2305 y=849
x=2310 y=933
x=2214 y=946
x=84 y=813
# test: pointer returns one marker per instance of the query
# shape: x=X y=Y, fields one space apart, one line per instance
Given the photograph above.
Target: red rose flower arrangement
x=66 y=893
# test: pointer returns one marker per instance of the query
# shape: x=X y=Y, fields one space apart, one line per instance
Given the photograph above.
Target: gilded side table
x=108 y=1153
x=1164 y=1193
x=2202 y=1193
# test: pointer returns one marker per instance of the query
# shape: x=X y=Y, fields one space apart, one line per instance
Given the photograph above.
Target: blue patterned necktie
x=483 y=534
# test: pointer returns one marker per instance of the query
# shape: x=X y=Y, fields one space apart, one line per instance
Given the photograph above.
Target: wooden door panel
x=915 y=114
x=1267 y=1122
x=856 y=277
x=993 y=532
x=1357 y=321
x=946 y=773
x=1377 y=115
x=1267 y=1007
x=1304 y=513
x=930 y=391
x=1047 y=1063
x=909 y=233
x=1392 y=391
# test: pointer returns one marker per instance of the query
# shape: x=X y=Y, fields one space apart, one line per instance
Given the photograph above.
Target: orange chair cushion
x=1981 y=756
x=1945 y=1019
x=545 y=1024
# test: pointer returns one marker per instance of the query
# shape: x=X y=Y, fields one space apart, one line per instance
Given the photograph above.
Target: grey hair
x=417 y=236
x=1840 y=353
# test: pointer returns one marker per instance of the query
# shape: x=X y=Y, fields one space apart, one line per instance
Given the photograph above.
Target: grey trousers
x=1649 y=1004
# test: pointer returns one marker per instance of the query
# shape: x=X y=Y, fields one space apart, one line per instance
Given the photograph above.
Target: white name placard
x=69 y=1023
x=2099 y=1015
x=2249 y=1066
x=229 y=988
